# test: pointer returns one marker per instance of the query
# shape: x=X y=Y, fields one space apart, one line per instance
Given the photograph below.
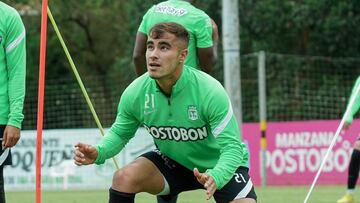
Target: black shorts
x=181 y=179
x=8 y=160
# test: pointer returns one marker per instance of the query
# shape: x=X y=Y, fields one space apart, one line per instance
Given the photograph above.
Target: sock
x=350 y=191
x=166 y=199
x=120 y=197
x=354 y=167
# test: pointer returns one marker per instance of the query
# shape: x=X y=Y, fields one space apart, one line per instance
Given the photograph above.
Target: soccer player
x=354 y=164
x=202 y=50
x=190 y=118
x=12 y=83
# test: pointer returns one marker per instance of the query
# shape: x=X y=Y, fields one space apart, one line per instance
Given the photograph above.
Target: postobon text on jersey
x=177 y=134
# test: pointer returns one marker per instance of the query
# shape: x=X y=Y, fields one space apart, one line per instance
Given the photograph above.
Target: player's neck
x=166 y=85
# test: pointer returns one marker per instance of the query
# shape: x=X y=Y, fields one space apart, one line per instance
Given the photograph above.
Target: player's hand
x=346 y=126
x=84 y=154
x=207 y=181
x=11 y=136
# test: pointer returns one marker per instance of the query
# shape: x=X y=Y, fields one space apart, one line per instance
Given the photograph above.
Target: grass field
x=290 y=194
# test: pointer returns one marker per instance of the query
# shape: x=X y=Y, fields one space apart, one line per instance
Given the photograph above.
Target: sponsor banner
x=294 y=154
x=295 y=151
x=58 y=168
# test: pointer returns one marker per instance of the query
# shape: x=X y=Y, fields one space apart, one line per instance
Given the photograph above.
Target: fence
x=297 y=87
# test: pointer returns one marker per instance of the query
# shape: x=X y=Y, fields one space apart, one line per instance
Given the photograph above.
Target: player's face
x=164 y=58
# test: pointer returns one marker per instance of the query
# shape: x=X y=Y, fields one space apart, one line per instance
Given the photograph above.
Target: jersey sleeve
x=225 y=129
x=122 y=130
x=144 y=25
x=203 y=32
x=16 y=65
x=356 y=105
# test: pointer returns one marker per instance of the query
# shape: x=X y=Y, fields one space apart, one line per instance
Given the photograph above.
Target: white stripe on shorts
x=166 y=189
x=4 y=155
x=245 y=191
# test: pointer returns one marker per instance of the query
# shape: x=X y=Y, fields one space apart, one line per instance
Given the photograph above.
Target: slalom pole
x=351 y=103
x=78 y=78
x=40 y=112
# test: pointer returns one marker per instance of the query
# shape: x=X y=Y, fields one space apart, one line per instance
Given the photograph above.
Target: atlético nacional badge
x=192 y=113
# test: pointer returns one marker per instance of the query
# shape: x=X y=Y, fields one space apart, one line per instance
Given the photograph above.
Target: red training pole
x=40 y=113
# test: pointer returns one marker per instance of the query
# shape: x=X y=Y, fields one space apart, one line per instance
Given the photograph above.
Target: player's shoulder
x=7 y=11
x=139 y=86
x=139 y=83
x=204 y=81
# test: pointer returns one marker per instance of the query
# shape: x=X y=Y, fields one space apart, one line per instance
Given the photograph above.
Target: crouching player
x=190 y=117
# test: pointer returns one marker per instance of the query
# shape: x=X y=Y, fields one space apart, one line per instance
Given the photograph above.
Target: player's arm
x=122 y=130
x=15 y=51
x=16 y=65
x=139 y=53
x=207 y=40
x=225 y=129
x=356 y=104
x=215 y=38
x=139 y=58
x=206 y=59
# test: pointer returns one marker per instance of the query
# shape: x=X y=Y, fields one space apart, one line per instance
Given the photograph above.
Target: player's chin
x=153 y=75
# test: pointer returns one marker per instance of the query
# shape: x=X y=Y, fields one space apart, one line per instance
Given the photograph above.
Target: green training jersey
x=12 y=66
x=356 y=104
x=194 y=126
x=196 y=22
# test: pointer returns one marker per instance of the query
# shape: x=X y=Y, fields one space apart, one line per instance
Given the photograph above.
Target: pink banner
x=295 y=151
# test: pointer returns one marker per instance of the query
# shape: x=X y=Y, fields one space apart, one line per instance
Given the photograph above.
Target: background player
x=12 y=83
x=354 y=165
x=202 y=49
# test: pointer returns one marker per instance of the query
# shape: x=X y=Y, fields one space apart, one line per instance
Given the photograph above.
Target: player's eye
x=164 y=48
x=150 y=47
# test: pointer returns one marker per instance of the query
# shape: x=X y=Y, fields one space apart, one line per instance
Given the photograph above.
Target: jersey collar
x=180 y=83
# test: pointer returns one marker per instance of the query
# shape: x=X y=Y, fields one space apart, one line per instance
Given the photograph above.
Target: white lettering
x=291 y=161
x=303 y=139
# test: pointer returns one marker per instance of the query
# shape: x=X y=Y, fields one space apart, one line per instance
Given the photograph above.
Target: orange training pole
x=41 y=98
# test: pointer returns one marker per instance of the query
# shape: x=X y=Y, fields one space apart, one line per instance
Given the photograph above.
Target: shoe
x=347 y=198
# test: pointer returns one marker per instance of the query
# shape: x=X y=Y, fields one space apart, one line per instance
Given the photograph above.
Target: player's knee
x=125 y=180
x=357 y=145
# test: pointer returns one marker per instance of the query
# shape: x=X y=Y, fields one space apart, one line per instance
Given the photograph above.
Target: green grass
x=288 y=194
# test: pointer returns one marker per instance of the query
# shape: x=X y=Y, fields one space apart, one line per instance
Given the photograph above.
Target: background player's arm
x=16 y=67
x=206 y=59
x=15 y=49
x=208 y=55
x=355 y=107
x=215 y=38
x=139 y=53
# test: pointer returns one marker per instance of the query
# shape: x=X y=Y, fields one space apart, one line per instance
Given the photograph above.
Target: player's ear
x=183 y=54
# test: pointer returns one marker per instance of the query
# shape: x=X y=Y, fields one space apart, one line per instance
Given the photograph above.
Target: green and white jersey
x=196 y=22
x=194 y=126
x=356 y=104
x=12 y=66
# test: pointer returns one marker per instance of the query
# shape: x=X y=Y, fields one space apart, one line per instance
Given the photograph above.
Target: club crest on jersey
x=192 y=113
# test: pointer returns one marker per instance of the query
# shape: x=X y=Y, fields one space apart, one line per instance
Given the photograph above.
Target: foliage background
x=100 y=36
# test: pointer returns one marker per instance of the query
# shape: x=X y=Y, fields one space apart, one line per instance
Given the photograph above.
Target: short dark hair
x=176 y=29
